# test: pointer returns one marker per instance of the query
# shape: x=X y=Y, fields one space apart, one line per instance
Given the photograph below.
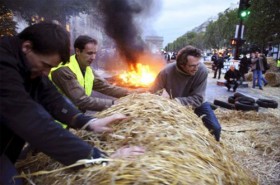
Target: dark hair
x=82 y=40
x=182 y=57
x=48 y=38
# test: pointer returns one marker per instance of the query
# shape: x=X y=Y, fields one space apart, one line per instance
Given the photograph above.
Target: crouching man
x=232 y=77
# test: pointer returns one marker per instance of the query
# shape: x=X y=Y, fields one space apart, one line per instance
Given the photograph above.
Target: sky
x=173 y=18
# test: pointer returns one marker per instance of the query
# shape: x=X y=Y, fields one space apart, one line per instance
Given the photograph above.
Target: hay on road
x=179 y=150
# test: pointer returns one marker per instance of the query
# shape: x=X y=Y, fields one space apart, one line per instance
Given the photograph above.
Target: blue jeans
x=210 y=120
x=8 y=171
x=257 y=75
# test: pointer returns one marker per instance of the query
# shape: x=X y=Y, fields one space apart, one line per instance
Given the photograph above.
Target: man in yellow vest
x=278 y=64
x=77 y=79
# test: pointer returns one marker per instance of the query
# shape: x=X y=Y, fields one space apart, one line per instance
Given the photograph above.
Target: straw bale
x=273 y=64
x=179 y=150
x=273 y=78
x=249 y=76
x=254 y=141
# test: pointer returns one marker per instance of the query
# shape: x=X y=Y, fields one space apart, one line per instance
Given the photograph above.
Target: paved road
x=220 y=92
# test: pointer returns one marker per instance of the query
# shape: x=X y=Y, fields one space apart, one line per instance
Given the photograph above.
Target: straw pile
x=254 y=141
x=273 y=78
x=179 y=150
x=249 y=76
x=272 y=63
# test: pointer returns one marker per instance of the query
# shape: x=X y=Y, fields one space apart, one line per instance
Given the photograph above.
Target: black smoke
x=122 y=23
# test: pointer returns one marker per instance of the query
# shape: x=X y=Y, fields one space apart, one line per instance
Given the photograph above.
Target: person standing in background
x=257 y=65
x=219 y=65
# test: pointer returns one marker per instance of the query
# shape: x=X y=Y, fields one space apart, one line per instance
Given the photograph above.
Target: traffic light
x=243 y=11
x=233 y=42
x=236 y=41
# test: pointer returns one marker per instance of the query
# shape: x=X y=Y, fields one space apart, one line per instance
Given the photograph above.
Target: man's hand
x=128 y=151
x=103 y=124
x=138 y=91
x=165 y=94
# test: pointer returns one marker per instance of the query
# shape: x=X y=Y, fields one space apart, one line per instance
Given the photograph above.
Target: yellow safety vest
x=278 y=63
x=85 y=81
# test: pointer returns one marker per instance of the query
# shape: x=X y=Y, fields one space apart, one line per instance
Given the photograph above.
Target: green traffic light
x=245 y=13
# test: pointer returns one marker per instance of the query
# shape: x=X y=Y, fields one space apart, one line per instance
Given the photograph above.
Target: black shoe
x=261 y=88
x=214 y=77
x=234 y=90
x=265 y=84
x=228 y=89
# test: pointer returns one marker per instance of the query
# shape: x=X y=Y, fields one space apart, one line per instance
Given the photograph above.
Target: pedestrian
x=214 y=60
x=266 y=67
x=185 y=80
x=257 y=65
x=76 y=79
x=30 y=102
x=219 y=65
x=243 y=67
x=232 y=77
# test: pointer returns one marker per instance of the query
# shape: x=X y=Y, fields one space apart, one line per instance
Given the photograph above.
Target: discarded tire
x=231 y=99
x=246 y=107
x=224 y=104
x=213 y=107
x=238 y=94
x=245 y=100
x=266 y=103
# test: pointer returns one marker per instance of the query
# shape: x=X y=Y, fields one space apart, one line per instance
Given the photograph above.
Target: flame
x=142 y=76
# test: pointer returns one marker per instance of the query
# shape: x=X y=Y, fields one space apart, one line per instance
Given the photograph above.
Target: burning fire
x=142 y=76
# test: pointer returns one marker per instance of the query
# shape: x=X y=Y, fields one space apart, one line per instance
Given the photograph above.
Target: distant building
x=84 y=24
x=155 y=43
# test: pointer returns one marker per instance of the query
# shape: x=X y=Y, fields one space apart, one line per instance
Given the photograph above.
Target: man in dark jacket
x=232 y=76
x=219 y=65
x=243 y=66
x=30 y=102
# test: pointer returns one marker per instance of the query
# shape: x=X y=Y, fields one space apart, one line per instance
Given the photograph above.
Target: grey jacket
x=254 y=63
x=189 y=90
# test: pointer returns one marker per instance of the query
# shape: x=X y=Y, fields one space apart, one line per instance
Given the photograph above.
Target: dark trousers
x=219 y=70
x=210 y=120
x=10 y=148
x=233 y=83
x=7 y=172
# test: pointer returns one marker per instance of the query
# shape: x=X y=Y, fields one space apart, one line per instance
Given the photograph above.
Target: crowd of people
x=234 y=76
x=43 y=85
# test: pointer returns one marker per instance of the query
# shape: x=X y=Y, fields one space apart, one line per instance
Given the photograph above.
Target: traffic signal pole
x=238 y=44
x=243 y=13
